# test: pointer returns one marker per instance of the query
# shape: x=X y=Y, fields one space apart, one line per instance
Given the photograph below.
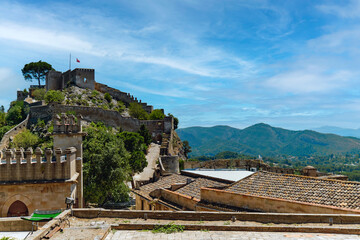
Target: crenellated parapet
x=18 y=165
x=67 y=124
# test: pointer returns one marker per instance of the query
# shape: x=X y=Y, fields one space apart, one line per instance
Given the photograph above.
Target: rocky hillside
x=92 y=98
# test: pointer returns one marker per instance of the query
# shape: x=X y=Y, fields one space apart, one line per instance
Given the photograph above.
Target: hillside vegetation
x=265 y=140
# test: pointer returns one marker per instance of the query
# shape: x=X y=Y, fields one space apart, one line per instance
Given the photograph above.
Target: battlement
x=67 y=124
x=84 y=70
x=18 y=165
x=126 y=98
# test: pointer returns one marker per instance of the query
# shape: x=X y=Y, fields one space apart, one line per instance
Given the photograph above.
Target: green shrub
x=136 y=111
x=168 y=228
x=157 y=114
x=40 y=123
x=2 y=119
x=53 y=96
x=105 y=106
x=39 y=94
x=3 y=130
x=94 y=93
x=108 y=97
x=26 y=139
x=111 y=105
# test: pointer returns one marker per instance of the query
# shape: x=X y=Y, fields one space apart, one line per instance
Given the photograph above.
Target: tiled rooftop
x=335 y=193
x=193 y=189
x=164 y=182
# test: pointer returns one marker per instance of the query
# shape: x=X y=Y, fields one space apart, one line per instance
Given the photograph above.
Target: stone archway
x=17 y=209
x=11 y=200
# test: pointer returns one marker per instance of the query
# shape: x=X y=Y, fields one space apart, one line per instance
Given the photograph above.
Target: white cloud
x=44 y=37
x=351 y=10
x=309 y=80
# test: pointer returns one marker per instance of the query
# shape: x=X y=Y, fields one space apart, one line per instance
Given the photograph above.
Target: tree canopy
x=110 y=159
x=157 y=114
x=54 y=96
x=36 y=71
x=136 y=111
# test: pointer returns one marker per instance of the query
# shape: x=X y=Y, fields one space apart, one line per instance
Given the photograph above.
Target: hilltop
x=265 y=140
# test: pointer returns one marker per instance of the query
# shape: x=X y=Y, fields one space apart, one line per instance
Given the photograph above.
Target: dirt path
x=151 y=157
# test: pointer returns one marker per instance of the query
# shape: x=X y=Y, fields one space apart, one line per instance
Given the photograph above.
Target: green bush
x=94 y=93
x=157 y=114
x=120 y=106
x=25 y=139
x=3 y=130
x=53 y=96
x=136 y=111
x=39 y=94
x=108 y=97
x=168 y=228
x=17 y=113
x=40 y=123
x=2 y=119
x=14 y=116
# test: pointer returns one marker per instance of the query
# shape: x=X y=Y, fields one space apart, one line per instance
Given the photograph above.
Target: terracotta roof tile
x=193 y=189
x=164 y=182
x=335 y=193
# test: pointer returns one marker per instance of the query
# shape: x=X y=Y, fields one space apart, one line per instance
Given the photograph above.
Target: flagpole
x=70 y=62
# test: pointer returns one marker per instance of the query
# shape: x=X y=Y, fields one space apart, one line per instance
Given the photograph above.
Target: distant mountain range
x=346 y=132
x=265 y=140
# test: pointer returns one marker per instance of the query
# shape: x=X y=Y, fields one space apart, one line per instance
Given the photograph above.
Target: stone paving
x=151 y=158
x=216 y=235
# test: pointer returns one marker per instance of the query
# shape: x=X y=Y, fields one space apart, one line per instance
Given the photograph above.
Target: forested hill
x=265 y=140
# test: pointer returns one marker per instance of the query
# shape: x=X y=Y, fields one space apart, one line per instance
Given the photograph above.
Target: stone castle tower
x=32 y=180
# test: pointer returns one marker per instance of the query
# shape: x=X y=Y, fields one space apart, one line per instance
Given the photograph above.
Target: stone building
x=259 y=192
x=284 y=193
x=85 y=78
x=34 y=180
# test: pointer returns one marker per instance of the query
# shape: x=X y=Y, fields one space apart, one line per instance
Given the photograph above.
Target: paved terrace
x=125 y=224
x=212 y=235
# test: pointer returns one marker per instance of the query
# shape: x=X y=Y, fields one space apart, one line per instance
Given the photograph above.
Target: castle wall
x=91 y=114
x=54 y=80
x=170 y=163
x=20 y=165
x=13 y=132
x=122 y=96
x=83 y=77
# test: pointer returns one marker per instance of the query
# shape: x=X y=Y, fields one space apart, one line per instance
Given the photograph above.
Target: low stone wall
x=278 y=218
x=266 y=204
x=179 y=199
x=14 y=224
x=13 y=132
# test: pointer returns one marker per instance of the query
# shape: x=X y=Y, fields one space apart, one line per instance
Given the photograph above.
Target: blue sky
x=292 y=64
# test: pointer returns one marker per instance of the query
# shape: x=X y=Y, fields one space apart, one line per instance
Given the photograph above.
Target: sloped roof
x=193 y=189
x=164 y=182
x=343 y=194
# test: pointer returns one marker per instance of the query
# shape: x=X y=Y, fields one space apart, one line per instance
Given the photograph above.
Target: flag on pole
x=77 y=60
